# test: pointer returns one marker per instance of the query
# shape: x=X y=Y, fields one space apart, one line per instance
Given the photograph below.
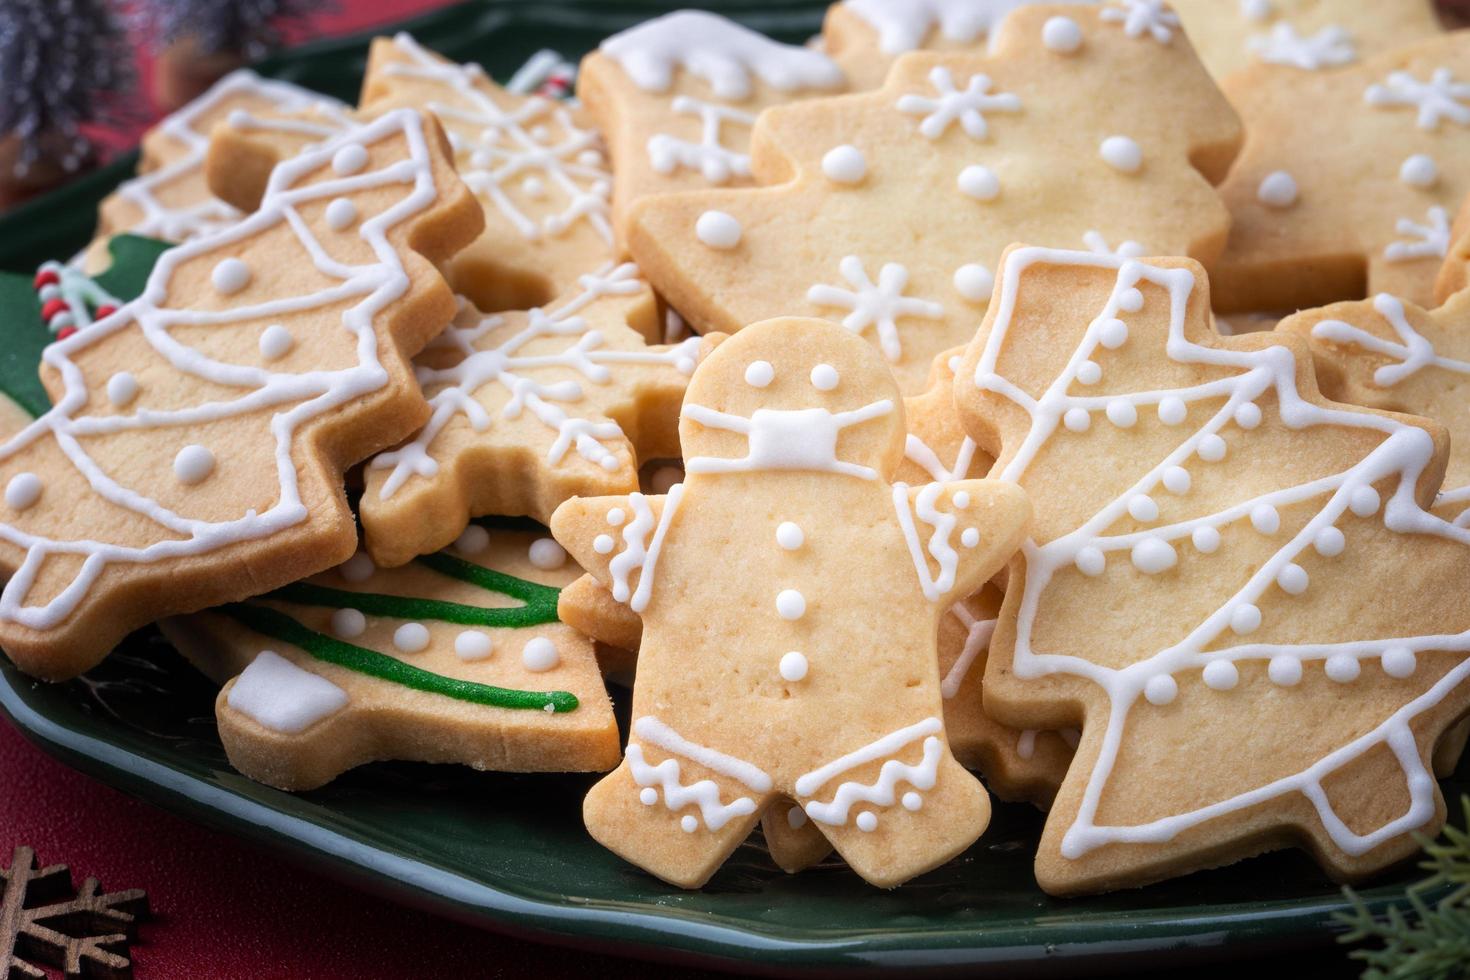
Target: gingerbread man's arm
x=990 y=522
x=617 y=539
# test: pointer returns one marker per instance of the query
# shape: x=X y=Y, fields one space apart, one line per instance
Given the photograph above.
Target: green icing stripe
x=279 y=626
x=532 y=594
x=407 y=607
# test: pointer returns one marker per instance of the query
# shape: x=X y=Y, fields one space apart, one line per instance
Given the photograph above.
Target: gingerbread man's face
x=794 y=394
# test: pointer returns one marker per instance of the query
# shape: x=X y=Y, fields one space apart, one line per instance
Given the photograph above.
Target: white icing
x=23 y=490
x=1434 y=100
x=472 y=540
x=341 y=214
x=824 y=377
x=193 y=464
x=1278 y=190
x=1412 y=354
x=1257 y=10
x=1428 y=241
x=639 y=553
x=411 y=637
x=790 y=536
x=879 y=305
x=1161 y=689
x=723 y=54
x=357 y=569
x=348 y=623
x=275 y=342
x=715 y=161
x=1097 y=244
x=718 y=230
x=603 y=544
x=230 y=276
x=546 y=554
x=122 y=388
x=979 y=182
x=780 y=439
x=1330 y=47
x=1062 y=35
x=793 y=667
x=882 y=791
x=350 y=159
x=282 y=697
x=845 y=164
x=796 y=818
x=1221 y=675
x=977 y=638
x=974 y=282
x=1139 y=17
x=1122 y=154
x=790 y=604
x=1398 y=460
x=939 y=548
x=705 y=794
x=903 y=25
x=539 y=655
x=949 y=104
x=1419 y=170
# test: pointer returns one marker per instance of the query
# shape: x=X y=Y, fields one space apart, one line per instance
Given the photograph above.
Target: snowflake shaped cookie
x=887 y=210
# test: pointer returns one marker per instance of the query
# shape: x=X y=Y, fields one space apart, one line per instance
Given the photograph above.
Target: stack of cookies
x=1055 y=401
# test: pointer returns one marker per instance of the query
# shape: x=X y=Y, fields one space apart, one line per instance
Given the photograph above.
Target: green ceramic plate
x=509 y=851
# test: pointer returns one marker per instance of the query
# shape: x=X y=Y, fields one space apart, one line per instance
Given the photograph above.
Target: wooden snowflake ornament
x=41 y=923
x=749 y=681
x=887 y=211
x=1232 y=584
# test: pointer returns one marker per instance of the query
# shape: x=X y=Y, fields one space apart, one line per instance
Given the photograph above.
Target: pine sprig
x=1430 y=940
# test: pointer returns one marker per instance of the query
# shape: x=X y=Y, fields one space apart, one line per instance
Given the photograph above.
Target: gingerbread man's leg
x=794 y=841
x=676 y=808
x=897 y=807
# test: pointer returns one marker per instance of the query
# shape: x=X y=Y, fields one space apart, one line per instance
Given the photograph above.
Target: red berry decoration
x=65 y=332
x=47 y=277
x=53 y=307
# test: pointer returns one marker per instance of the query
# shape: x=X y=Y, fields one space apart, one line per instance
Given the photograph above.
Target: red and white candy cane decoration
x=70 y=299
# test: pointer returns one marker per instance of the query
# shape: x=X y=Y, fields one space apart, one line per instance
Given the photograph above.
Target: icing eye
x=759 y=374
x=824 y=377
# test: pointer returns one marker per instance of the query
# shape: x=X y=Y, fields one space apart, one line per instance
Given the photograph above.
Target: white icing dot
x=1245 y=618
x=1211 y=448
x=539 y=654
x=358 y=568
x=1176 y=479
x=193 y=464
x=341 y=213
x=1160 y=689
x=1121 y=413
x=122 y=388
x=1142 y=507
x=603 y=544
x=1077 y=419
x=23 y=490
x=912 y=801
x=1257 y=10
x=791 y=604
x=962 y=499
x=350 y=159
x=1206 y=540
x=1265 y=518
x=1089 y=372
x=411 y=637
x=473 y=645
x=533 y=187
x=1364 y=501
x=1091 y=561
x=589 y=158
x=974 y=282
x=796 y=818
x=1293 y=579
x=758 y=374
x=1278 y=190
x=790 y=535
x=648 y=796
x=617 y=516
x=1061 y=34
x=824 y=377
x=867 y=821
x=1221 y=675
x=1153 y=555
x=1342 y=667
x=1329 y=542
x=546 y=554
x=230 y=276
x=718 y=230
x=793 y=667
x=1399 y=662
x=472 y=540
x=1130 y=300
x=970 y=538
x=1285 y=670
x=276 y=342
x=845 y=164
x=1122 y=154
x=348 y=623
x=1248 y=415
x=689 y=823
x=1172 y=410
x=1113 y=334
x=979 y=182
x=1419 y=170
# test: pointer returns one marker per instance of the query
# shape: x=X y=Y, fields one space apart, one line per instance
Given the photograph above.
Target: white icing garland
x=879 y=305
x=977 y=638
x=882 y=791
x=1400 y=457
x=705 y=794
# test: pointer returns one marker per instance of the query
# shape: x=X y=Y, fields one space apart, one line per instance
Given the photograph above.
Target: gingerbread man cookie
x=1348 y=179
x=805 y=666
x=886 y=211
x=1222 y=561
x=457 y=657
x=195 y=451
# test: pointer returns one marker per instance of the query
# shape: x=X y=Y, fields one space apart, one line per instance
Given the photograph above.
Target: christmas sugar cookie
x=528 y=410
x=1454 y=274
x=1231 y=583
x=677 y=96
x=170 y=198
x=887 y=211
x=457 y=657
x=195 y=450
x=805 y=665
x=1348 y=179
x=1308 y=35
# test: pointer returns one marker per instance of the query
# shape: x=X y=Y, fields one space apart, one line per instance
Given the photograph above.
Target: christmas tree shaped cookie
x=170 y=198
x=790 y=597
x=1454 y=274
x=196 y=444
x=528 y=410
x=457 y=657
x=1308 y=35
x=1348 y=178
x=1231 y=582
x=887 y=211
x=677 y=96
